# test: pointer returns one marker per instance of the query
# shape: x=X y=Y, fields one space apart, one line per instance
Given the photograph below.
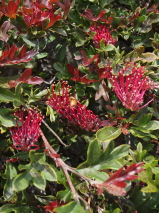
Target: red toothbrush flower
x=25 y=136
x=72 y=110
x=130 y=86
x=101 y=33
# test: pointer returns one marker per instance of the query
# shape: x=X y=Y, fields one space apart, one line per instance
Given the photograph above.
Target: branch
x=59 y=162
x=54 y=133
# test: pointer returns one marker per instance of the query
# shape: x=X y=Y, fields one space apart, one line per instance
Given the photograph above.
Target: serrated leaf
x=108 y=133
x=150 y=189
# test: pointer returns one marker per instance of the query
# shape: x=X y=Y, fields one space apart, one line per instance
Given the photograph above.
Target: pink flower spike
x=25 y=136
x=130 y=85
x=69 y=108
x=101 y=33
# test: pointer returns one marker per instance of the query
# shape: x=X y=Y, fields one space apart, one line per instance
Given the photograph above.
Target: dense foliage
x=79 y=116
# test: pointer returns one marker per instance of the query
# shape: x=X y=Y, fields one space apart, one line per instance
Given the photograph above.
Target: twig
x=59 y=162
x=54 y=133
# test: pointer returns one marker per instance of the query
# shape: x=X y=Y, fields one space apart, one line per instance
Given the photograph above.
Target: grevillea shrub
x=79 y=114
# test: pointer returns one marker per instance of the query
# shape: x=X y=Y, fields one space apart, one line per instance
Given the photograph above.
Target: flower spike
x=25 y=136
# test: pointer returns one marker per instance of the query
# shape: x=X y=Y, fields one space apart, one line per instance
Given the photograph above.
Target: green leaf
x=64 y=195
x=10 y=171
x=152 y=125
x=107 y=151
x=10 y=208
x=104 y=47
x=59 y=67
x=8 y=192
x=60 y=31
x=38 y=179
x=94 y=152
x=49 y=173
x=8 y=120
x=9 y=174
x=28 y=41
x=21 y=181
x=150 y=188
x=79 y=35
x=148 y=57
x=119 y=152
x=113 y=164
x=144 y=120
x=72 y=207
x=6 y=95
x=37 y=157
x=103 y=3
x=140 y=134
x=41 y=55
x=108 y=133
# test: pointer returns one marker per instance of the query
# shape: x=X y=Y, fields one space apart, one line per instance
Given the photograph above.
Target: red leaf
x=9 y=56
x=86 y=61
x=28 y=3
x=25 y=78
x=102 y=92
x=35 y=80
x=11 y=9
x=22 y=51
x=77 y=75
x=52 y=205
x=4 y=29
x=25 y=75
x=12 y=52
x=89 y=15
x=115 y=184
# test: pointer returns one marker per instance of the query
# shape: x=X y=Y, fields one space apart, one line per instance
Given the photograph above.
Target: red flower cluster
x=130 y=86
x=25 y=136
x=72 y=110
x=101 y=33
